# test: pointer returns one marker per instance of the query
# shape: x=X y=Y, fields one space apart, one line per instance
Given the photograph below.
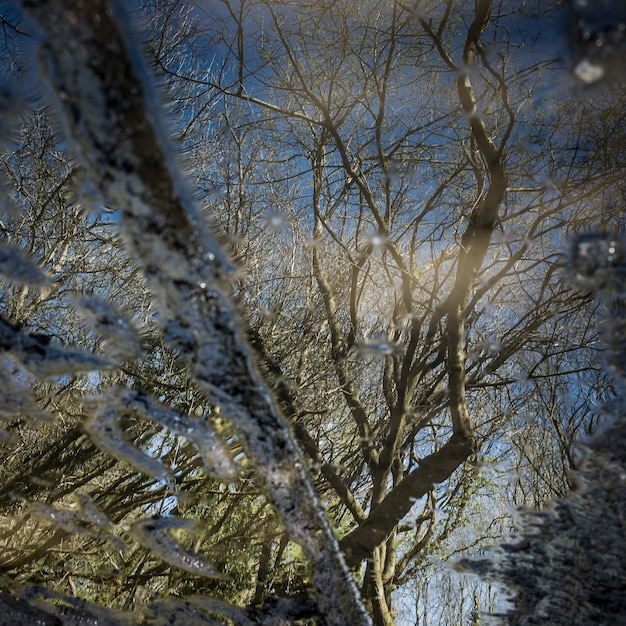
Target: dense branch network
x=109 y=112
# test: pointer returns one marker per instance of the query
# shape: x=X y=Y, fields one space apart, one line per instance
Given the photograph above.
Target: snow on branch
x=100 y=89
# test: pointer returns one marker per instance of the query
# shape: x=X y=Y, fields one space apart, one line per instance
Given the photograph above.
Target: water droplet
x=311 y=242
x=275 y=222
x=154 y=534
x=377 y=240
x=378 y=348
x=588 y=72
x=489 y=348
x=598 y=263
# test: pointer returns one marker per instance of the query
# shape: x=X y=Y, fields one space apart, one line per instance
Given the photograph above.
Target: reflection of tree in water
x=405 y=311
x=566 y=566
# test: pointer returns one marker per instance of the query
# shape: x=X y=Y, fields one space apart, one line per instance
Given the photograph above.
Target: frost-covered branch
x=566 y=565
x=100 y=90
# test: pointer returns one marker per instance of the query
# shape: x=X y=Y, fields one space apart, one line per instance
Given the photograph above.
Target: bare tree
x=398 y=206
x=107 y=110
x=428 y=297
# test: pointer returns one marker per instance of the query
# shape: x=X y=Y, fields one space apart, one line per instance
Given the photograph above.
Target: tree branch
x=100 y=89
x=380 y=523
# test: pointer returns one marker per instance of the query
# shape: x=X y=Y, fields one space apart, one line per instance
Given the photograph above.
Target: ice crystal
x=39 y=355
x=17 y=398
x=19 y=269
x=87 y=520
x=112 y=325
x=155 y=535
x=566 y=564
x=598 y=40
x=104 y=429
x=117 y=402
x=100 y=90
x=376 y=348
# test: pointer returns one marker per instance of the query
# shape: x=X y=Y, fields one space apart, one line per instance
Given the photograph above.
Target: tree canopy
x=284 y=321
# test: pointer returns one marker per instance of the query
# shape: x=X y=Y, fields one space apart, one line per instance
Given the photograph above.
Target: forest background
x=397 y=185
